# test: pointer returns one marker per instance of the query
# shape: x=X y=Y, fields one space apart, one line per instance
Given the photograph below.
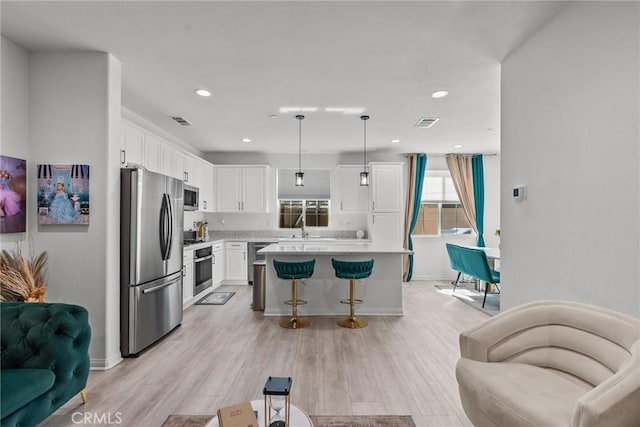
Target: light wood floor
x=223 y=355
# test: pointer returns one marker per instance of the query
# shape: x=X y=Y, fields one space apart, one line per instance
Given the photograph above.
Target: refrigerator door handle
x=163 y=232
x=170 y=223
x=156 y=288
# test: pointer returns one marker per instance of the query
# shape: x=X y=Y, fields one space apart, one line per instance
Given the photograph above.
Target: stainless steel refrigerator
x=151 y=217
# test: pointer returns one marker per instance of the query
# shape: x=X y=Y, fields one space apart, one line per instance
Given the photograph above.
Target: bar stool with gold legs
x=294 y=271
x=352 y=270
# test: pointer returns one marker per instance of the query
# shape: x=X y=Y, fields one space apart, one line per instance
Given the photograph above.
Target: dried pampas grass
x=22 y=279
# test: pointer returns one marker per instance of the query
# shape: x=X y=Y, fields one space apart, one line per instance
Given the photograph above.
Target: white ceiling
x=386 y=57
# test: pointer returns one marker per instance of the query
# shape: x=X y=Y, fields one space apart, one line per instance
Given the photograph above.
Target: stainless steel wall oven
x=202 y=269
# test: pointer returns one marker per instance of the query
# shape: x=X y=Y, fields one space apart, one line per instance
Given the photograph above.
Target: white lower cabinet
x=218 y=264
x=236 y=263
x=187 y=277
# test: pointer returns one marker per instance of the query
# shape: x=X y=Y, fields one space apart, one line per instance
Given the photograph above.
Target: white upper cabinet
x=229 y=189
x=198 y=173
x=241 y=188
x=131 y=145
x=386 y=187
x=191 y=169
x=207 y=187
x=254 y=189
x=177 y=164
x=141 y=147
x=351 y=195
x=152 y=159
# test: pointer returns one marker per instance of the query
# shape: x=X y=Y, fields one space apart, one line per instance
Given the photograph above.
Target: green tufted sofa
x=45 y=359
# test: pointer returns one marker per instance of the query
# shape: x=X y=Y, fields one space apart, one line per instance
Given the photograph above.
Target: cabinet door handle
x=205 y=204
x=184 y=271
x=239 y=206
x=123 y=157
x=340 y=205
x=373 y=204
x=244 y=256
x=242 y=205
x=214 y=259
x=373 y=219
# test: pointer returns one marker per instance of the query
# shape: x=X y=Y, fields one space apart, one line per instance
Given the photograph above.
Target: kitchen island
x=381 y=292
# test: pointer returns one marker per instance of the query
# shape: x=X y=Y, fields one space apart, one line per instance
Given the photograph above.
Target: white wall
x=430 y=261
x=74 y=118
x=570 y=132
x=14 y=112
x=269 y=221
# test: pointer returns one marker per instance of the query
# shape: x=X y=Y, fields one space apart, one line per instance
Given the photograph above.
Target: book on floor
x=240 y=415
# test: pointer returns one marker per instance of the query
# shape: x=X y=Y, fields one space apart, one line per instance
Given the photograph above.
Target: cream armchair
x=552 y=363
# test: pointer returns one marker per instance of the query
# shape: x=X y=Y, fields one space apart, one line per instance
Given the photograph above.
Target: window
x=440 y=211
x=306 y=206
x=315 y=213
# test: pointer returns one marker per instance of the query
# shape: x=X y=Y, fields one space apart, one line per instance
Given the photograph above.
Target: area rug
x=466 y=293
x=215 y=298
x=318 y=421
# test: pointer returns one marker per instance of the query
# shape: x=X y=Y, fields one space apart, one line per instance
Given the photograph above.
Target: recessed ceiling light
x=345 y=110
x=457 y=146
x=203 y=92
x=439 y=94
x=395 y=141
x=286 y=110
x=246 y=140
x=273 y=116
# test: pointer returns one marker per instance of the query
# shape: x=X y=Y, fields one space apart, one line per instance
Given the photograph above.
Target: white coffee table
x=298 y=417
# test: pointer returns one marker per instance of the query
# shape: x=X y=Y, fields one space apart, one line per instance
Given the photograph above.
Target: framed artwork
x=63 y=194
x=13 y=195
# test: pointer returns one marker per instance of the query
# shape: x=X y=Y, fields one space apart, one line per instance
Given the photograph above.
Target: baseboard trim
x=432 y=278
x=105 y=364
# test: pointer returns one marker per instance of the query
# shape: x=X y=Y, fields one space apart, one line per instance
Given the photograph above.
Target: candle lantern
x=276 y=398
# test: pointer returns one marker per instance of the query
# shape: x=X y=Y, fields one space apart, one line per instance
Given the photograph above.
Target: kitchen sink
x=307 y=239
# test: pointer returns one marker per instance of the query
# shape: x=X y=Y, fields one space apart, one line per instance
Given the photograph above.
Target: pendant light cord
x=299 y=145
x=300 y=117
x=364 y=154
x=364 y=157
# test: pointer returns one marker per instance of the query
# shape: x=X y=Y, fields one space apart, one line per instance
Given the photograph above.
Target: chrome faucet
x=304 y=233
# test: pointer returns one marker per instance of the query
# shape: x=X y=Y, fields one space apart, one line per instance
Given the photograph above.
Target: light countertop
x=327 y=248
x=200 y=245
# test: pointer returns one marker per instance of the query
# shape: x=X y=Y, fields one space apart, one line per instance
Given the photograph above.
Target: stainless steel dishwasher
x=253 y=256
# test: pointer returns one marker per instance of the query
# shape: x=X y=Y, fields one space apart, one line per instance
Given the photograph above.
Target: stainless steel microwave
x=191 y=198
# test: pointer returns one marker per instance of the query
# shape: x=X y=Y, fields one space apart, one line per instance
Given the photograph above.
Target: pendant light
x=364 y=175
x=299 y=174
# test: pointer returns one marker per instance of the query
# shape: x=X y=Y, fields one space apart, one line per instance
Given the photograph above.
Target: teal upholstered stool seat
x=352 y=270
x=294 y=271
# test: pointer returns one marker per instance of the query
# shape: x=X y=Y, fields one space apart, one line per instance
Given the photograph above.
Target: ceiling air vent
x=426 y=122
x=181 y=120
